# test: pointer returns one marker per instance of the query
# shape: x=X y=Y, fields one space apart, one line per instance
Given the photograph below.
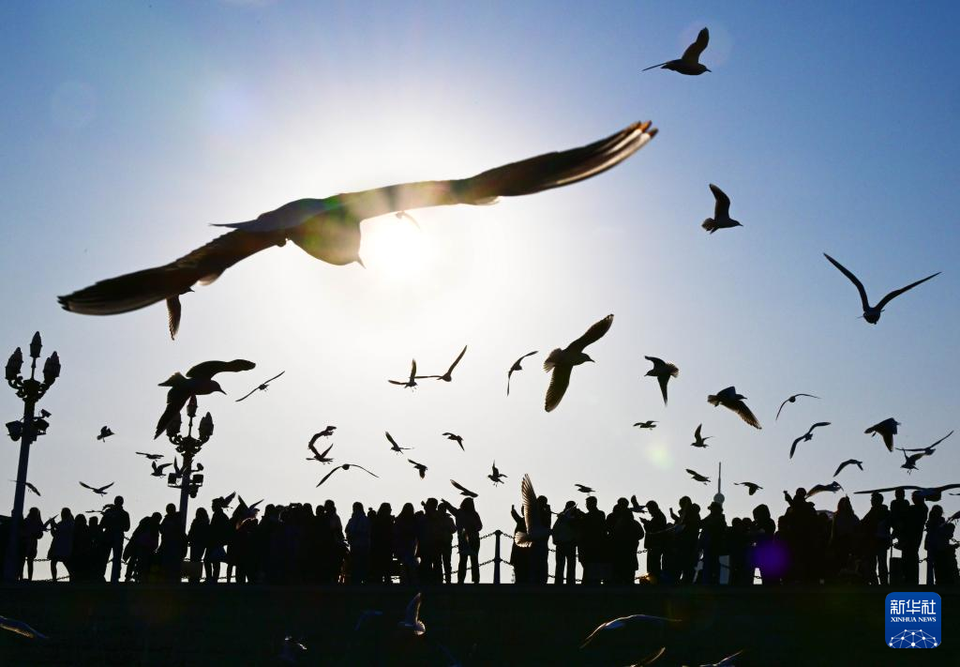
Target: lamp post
x=188 y=446
x=27 y=430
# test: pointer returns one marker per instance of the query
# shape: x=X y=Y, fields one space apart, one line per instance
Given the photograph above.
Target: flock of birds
x=329 y=230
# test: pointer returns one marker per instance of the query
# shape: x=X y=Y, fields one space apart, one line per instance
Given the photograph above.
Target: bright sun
x=395 y=248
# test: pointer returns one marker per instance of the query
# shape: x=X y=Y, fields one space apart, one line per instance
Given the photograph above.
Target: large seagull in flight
x=329 y=229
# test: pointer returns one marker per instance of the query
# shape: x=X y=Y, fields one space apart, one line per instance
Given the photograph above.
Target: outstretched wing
x=327 y=476
x=593 y=334
x=391 y=440
x=208 y=369
x=457 y=360
x=692 y=54
x=559 y=381
x=856 y=281
x=793 y=447
x=143 y=288
x=87 y=486
x=746 y=414
x=905 y=487
x=897 y=292
x=721 y=207
x=354 y=465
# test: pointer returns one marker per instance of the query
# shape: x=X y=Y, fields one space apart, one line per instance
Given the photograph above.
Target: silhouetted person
x=218 y=537
x=540 y=547
x=78 y=565
x=429 y=541
x=405 y=544
x=116 y=522
x=469 y=526
x=519 y=556
x=448 y=528
x=381 y=545
x=61 y=546
x=140 y=550
x=172 y=545
x=654 y=541
x=910 y=538
x=712 y=543
x=769 y=554
x=875 y=527
x=625 y=534
x=565 y=543
x=941 y=552
x=358 y=537
x=932 y=542
x=592 y=543
x=198 y=537
x=30 y=534
x=844 y=529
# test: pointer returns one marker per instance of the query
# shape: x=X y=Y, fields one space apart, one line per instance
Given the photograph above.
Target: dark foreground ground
x=480 y=625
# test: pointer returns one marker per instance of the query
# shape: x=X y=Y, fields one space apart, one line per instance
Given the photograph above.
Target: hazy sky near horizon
x=128 y=128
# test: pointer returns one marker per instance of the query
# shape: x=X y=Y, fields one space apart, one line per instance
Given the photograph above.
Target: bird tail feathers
x=552 y=359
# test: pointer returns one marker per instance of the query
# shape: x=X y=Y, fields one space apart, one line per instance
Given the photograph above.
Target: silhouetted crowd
x=302 y=544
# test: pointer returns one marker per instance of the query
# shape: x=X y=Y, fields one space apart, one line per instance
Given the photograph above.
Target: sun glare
x=396 y=248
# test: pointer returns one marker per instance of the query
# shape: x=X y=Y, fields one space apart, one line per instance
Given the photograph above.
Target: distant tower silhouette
x=719 y=497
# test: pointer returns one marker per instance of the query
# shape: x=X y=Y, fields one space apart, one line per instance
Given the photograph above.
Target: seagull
x=325 y=433
x=317 y=456
x=729 y=398
x=411 y=620
x=649 y=424
x=517 y=367
x=198 y=382
x=30 y=486
x=246 y=510
x=410 y=382
x=456 y=438
x=533 y=527
x=329 y=229
x=726 y=662
x=100 y=491
x=561 y=362
x=872 y=313
x=346 y=466
x=394 y=447
x=751 y=487
x=929 y=449
x=158 y=469
x=105 y=433
x=721 y=212
x=832 y=487
x=583 y=488
x=699 y=441
x=887 y=429
x=151 y=457
x=463 y=490
x=635 y=620
x=20 y=628
x=910 y=462
x=496 y=476
x=636 y=507
x=792 y=399
x=261 y=387
x=663 y=371
x=848 y=462
x=422 y=469
x=689 y=62
x=448 y=376
x=932 y=493
x=806 y=437
x=697 y=477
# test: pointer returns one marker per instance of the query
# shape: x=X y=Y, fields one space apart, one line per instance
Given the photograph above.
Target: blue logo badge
x=912 y=620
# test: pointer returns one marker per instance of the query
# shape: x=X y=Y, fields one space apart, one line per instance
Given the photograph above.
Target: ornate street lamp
x=188 y=447
x=26 y=431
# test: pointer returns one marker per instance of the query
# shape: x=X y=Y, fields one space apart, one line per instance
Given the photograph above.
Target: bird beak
x=222 y=392
x=707 y=69
x=360 y=262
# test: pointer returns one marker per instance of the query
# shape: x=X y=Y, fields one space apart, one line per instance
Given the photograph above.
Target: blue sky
x=129 y=128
